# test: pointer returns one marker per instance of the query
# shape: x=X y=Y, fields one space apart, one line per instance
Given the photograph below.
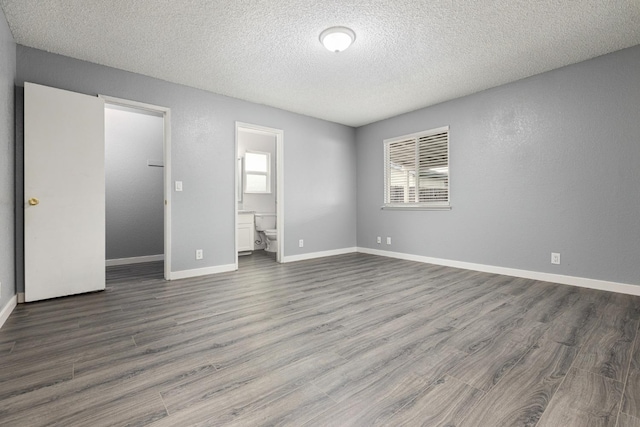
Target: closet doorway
x=137 y=177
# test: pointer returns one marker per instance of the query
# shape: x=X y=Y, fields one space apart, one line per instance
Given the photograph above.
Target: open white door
x=64 y=193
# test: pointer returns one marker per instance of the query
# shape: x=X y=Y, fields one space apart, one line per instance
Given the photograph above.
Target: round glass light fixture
x=337 y=39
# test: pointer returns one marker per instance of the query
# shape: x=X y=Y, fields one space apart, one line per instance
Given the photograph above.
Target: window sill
x=416 y=208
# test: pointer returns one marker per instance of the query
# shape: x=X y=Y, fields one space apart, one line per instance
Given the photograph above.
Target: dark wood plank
x=607 y=351
x=523 y=394
x=6 y=348
x=294 y=409
x=489 y=362
x=444 y=403
x=584 y=399
x=625 y=420
x=247 y=389
x=20 y=378
x=382 y=400
x=222 y=397
x=559 y=332
x=544 y=302
x=431 y=362
x=135 y=377
x=631 y=399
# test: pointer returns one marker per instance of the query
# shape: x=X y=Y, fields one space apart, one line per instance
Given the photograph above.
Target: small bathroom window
x=257 y=172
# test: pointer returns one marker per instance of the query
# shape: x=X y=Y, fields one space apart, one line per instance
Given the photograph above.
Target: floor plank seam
x=486 y=393
x=164 y=404
x=425 y=388
x=560 y=386
x=626 y=378
x=597 y=374
x=478 y=402
x=459 y=380
x=630 y=416
x=323 y=392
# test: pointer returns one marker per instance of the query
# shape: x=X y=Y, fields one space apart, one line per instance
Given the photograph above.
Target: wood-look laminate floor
x=348 y=340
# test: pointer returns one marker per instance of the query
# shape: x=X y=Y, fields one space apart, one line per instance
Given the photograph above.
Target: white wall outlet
x=388 y=240
x=379 y=239
x=300 y=243
x=555 y=258
x=178 y=185
x=199 y=254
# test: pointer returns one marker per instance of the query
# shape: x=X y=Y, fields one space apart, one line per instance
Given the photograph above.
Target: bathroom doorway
x=259 y=216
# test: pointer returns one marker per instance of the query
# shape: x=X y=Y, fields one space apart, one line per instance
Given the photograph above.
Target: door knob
x=33 y=201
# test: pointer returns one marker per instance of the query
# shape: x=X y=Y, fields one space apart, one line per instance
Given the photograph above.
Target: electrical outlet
x=379 y=239
x=388 y=240
x=199 y=254
x=301 y=243
x=555 y=258
x=178 y=185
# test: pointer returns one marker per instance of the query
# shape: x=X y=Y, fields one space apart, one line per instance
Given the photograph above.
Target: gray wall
x=549 y=163
x=134 y=190
x=318 y=157
x=266 y=144
x=7 y=155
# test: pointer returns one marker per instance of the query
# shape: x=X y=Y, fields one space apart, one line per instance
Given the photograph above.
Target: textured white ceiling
x=408 y=54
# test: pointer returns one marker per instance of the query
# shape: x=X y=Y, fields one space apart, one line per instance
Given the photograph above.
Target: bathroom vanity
x=246 y=231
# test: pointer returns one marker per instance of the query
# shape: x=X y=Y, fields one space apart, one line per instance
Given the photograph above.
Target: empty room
x=303 y=213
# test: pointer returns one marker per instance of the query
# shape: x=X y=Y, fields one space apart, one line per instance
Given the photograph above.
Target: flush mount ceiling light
x=337 y=39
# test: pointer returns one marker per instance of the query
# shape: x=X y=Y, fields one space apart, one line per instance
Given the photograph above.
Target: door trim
x=279 y=134
x=166 y=114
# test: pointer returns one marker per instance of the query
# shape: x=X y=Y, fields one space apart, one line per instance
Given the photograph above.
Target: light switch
x=178 y=185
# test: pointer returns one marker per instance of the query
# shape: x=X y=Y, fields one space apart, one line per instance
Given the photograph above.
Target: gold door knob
x=33 y=201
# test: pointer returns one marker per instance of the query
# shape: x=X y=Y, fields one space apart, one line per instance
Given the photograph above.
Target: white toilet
x=266 y=225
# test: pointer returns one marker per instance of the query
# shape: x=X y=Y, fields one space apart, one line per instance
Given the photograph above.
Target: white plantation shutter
x=400 y=170
x=417 y=170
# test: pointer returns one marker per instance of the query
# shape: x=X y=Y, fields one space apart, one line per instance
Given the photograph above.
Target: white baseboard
x=8 y=309
x=322 y=254
x=583 y=282
x=21 y=298
x=185 y=274
x=134 y=260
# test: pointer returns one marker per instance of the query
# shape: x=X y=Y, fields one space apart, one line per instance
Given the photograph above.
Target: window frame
x=266 y=174
x=414 y=205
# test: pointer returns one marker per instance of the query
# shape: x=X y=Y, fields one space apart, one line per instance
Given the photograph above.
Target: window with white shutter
x=416 y=173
